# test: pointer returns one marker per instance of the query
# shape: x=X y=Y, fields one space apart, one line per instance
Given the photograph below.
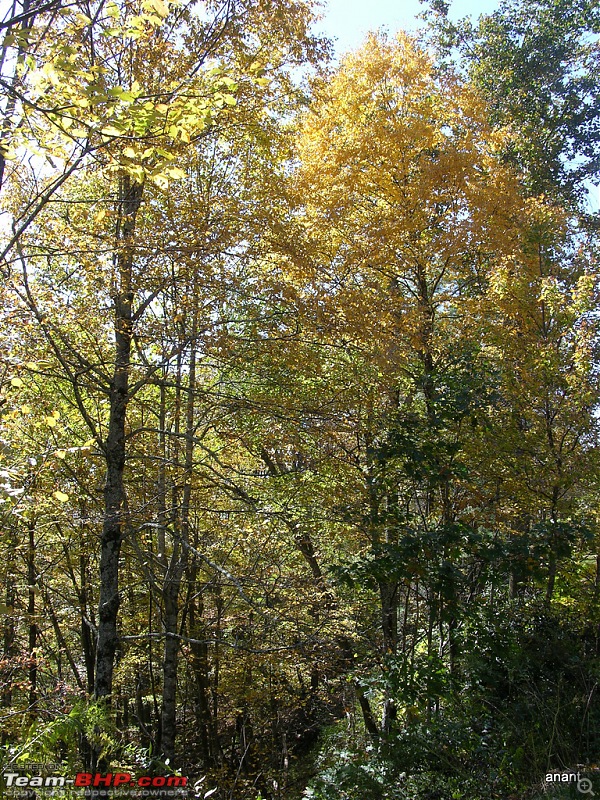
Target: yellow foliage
x=403 y=198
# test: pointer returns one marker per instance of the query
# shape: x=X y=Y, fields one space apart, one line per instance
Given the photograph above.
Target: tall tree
x=144 y=88
x=537 y=65
x=404 y=167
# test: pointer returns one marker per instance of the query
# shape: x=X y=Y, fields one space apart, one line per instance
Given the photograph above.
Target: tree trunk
x=171 y=650
x=207 y=737
x=365 y=707
x=9 y=633
x=177 y=567
x=31 y=582
x=87 y=640
x=130 y=196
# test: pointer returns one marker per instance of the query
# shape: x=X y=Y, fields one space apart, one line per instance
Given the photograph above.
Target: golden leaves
x=399 y=190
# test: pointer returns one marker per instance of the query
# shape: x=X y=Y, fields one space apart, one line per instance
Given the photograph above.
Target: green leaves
x=538 y=67
x=243 y=346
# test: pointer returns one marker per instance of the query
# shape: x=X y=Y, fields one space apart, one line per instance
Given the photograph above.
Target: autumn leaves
x=337 y=365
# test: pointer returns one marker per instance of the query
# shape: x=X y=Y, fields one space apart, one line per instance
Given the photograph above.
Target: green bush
x=519 y=704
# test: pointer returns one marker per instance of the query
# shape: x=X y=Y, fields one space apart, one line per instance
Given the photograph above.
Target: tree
x=136 y=119
x=404 y=167
x=422 y=218
x=297 y=413
x=537 y=66
x=544 y=455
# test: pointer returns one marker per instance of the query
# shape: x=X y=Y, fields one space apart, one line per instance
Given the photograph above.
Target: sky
x=347 y=21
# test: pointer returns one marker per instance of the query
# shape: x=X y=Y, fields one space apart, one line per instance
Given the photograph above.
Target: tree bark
x=176 y=570
x=130 y=196
x=31 y=585
x=9 y=632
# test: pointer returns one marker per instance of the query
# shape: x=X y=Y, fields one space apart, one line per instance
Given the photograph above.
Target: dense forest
x=299 y=453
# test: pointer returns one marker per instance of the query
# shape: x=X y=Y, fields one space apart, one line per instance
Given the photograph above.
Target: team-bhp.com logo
x=124 y=779
x=95 y=780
